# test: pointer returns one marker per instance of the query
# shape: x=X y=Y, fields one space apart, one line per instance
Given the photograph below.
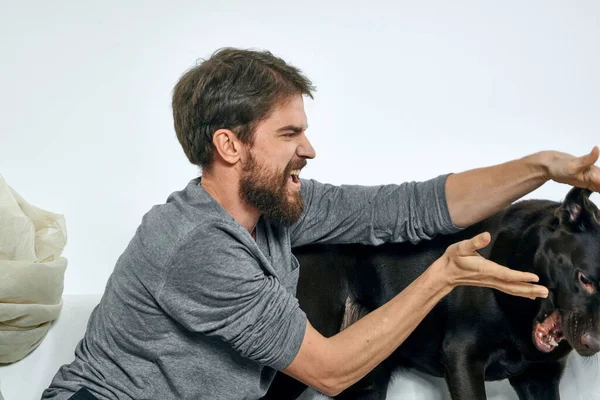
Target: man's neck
x=225 y=191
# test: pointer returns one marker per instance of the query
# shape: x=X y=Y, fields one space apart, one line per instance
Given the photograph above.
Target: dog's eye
x=588 y=285
x=584 y=279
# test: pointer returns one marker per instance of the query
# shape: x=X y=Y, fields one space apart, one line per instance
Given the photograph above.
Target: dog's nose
x=591 y=342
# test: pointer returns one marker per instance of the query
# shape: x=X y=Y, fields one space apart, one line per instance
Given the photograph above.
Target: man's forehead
x=290 y=116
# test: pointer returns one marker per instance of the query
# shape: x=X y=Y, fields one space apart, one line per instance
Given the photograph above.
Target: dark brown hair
x=233 y=89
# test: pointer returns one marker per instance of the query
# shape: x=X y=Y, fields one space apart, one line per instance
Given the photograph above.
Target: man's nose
x=305 y=149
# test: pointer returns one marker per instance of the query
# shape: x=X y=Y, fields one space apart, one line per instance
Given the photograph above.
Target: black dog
x=473 y=334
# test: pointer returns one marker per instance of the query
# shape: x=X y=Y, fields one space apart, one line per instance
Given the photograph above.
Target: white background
x=406 y=91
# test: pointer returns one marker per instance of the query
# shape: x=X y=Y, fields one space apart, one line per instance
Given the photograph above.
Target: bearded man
x=201 y=305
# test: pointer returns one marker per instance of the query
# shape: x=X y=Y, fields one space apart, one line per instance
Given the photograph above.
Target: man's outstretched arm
x=476 y=194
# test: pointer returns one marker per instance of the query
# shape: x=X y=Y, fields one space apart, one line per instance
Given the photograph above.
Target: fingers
x=487 y=273
x=469 y=246
x=503 y=273
x=486 y=268
x=521 y=289
x=588 y=160
x=591 y=173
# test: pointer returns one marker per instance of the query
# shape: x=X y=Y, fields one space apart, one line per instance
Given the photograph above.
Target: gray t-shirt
x=198 y=309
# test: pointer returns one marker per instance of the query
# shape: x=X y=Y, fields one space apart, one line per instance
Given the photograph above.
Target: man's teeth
x=295 y=172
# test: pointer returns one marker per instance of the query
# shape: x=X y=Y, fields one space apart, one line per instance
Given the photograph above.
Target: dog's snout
x=590 y=342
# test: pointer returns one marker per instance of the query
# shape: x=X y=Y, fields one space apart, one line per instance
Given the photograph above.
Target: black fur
x=473 y=334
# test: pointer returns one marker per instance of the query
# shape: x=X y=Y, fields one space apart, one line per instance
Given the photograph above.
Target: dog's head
x=569 y=260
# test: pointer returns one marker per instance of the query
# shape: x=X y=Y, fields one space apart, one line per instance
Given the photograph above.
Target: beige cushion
x=31 y=273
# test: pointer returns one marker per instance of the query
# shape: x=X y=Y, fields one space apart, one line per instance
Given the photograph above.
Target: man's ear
x=577 y=211
x=227 y=145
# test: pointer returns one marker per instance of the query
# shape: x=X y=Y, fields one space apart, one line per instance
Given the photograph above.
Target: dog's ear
x=577 y=211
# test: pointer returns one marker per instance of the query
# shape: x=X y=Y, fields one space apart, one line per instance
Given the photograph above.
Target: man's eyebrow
x=294 y=128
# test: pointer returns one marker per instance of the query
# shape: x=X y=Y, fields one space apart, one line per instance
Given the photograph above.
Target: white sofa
x=26 y=379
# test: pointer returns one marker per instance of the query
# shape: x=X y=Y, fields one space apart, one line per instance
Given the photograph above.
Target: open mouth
x=295 y=176
x=548 y=333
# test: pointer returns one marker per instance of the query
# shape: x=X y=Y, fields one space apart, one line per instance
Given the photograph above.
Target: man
x=202 y=305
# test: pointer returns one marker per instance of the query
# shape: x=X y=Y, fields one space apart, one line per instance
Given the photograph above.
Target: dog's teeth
x=553 y=341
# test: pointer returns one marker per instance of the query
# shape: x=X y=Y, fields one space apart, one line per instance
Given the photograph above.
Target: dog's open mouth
x=548 y=333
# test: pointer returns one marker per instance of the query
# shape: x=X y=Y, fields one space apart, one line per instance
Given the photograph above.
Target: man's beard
x=268 y=192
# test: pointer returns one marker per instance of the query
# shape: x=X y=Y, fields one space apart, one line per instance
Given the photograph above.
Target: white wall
x=406 y=90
